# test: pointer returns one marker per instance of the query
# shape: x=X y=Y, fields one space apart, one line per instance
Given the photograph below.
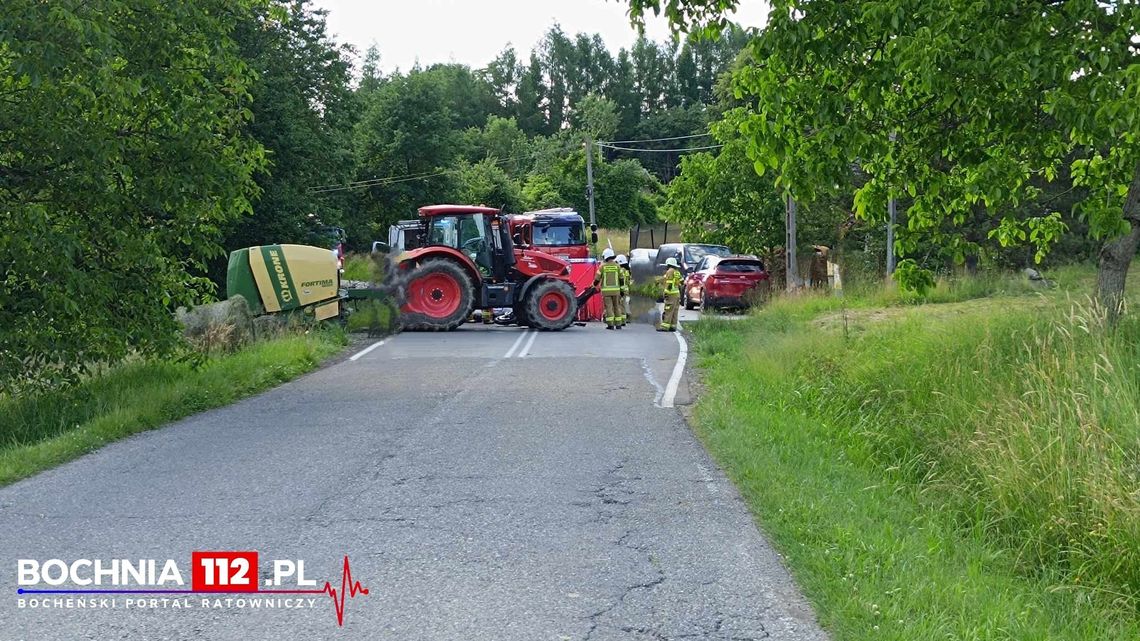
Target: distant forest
x=359 y=149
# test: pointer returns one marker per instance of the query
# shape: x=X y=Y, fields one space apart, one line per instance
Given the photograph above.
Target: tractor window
x=466 y=233
x=443 y=231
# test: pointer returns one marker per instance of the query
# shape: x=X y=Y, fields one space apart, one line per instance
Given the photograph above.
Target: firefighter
x=608 y=280
x=626 y=281
x=671 y=287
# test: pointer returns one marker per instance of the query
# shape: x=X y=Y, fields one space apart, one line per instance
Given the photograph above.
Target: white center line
x=367 y=349
x=518 y=340
x=526 y=350
x=678 y=369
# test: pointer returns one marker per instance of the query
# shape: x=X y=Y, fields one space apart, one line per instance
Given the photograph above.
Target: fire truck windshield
x=569 y=233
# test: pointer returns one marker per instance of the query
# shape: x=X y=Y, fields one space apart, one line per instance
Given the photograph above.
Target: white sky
x=473 y=32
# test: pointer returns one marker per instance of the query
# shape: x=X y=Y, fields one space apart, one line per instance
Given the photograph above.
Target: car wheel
x=704 y=306
x=685 y=298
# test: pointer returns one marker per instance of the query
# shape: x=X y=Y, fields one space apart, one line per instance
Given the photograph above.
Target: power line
x=378 y=182
x=609 y=142
x=658 y=150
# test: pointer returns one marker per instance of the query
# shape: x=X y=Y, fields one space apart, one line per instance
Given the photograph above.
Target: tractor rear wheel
x=439 y=296
x=550 y=305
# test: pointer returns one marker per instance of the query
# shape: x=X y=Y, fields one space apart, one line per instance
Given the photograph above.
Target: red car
x=724 y=282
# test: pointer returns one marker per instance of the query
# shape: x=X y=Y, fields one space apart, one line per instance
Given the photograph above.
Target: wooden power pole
x=590 y=180
x=892 y=218
x=791 y=268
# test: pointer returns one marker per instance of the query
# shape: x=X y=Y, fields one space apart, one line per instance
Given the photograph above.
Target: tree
x=469 y=97
x=558 y=59
x=530 y=96
x=501 y=141
x=596 y=117
x=985 y=100
x=486 y=183
x=719 y=198
x=625 y=193
x=303 y=111
x=124 y=153
x=405 y=141
x=503 y=76
x=370 y=75
x=623 y=92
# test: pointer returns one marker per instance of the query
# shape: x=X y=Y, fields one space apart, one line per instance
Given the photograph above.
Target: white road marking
x=678 y=369
x=526 y=350
x=708 y=479
x=652 y=381
x=518 y=340
x=367 y=349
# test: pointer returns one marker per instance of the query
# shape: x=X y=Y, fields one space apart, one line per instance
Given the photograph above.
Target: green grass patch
x=358 y=267
x=42 y=431
x=951 y=471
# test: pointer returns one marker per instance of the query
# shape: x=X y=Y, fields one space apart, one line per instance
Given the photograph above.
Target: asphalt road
x=486 y=483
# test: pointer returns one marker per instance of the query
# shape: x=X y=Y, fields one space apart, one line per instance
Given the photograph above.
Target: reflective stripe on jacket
x=609 y=274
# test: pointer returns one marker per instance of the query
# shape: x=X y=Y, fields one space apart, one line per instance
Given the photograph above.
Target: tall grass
x=982 y=466
x=44 y=430
x=358 y=267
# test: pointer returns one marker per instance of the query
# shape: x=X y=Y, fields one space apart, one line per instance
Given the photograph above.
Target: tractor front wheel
x=550 y=305
x=439 y=296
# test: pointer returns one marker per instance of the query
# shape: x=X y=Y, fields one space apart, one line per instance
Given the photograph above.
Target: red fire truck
x=563 y=233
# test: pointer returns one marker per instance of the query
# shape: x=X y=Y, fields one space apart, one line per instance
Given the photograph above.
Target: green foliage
x=684 y=15
x=125 y=152
x=406 y=129
x=984 y=101
x=721 y=199
x=485 y=183
x=303 y=111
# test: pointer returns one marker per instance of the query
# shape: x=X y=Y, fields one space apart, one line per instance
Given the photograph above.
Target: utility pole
x=891 y=237
x=892 y=218
x=590 y=181
x=791 y=268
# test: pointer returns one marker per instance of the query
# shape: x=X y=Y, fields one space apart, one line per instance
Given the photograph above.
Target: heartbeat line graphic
x=348 y=589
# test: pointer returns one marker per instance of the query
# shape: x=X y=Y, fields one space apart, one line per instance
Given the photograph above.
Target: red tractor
x=467 y=261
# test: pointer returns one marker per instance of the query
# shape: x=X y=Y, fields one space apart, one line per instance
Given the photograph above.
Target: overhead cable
x=659 y=150
x=630 y=142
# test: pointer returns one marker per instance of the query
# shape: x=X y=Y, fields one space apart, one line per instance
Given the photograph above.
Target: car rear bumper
x=727 y=301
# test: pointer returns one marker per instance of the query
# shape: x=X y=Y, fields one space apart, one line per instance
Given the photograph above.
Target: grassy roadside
x=44 y=431
x=954 y=471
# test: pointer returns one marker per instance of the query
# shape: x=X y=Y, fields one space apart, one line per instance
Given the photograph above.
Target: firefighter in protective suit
x=626 y=281
x=671 y=287
x=608 y=281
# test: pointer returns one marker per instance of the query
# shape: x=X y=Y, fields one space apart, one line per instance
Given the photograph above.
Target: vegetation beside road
x=960 y=470
x=41 y=431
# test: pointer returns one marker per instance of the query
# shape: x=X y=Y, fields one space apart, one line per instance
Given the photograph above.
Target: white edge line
x=529 y=344
x=368 y=349
x=678 y=370
x=652 y=381
x=518 y=340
